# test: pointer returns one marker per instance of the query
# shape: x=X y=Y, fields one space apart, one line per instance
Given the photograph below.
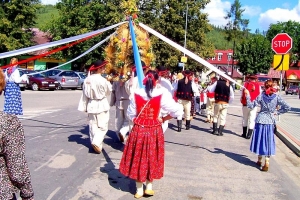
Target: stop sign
x=282 y=43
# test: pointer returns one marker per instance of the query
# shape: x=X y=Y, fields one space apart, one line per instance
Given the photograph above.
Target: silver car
x=81 y=76
x=67 y=79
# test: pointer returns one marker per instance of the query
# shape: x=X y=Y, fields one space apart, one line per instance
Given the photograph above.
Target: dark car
x=40 y=81
x=293 y=89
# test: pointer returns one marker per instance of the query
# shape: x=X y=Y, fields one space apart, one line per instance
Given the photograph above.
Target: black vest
x=222 y=91
x=184 y=91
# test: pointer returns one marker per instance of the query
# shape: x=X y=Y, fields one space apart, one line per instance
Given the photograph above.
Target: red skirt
x=143 y=155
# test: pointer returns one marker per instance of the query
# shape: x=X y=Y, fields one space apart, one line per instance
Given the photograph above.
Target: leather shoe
x=149 y=192
x=121 y=137
x=96 y=148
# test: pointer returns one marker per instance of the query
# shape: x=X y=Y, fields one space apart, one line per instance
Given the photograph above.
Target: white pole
x=280 y=87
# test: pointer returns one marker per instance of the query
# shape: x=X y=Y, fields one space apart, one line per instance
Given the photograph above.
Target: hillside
x=49 y=12
x=45 y=15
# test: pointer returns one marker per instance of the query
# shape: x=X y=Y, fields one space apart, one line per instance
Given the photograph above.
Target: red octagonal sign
x=282 y=43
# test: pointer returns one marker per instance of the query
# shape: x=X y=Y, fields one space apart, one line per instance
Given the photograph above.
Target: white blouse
x=167 y=102
x=15 y=77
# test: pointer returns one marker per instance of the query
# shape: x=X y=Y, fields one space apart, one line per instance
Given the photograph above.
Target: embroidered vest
x=222 y=91
x=147 y=115
x=184 y=91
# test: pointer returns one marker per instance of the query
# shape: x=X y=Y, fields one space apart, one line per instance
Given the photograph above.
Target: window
x=229 y=56
x=213 y=58
x=220 y=56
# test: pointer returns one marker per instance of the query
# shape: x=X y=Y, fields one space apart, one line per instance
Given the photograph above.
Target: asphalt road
x=198 y=165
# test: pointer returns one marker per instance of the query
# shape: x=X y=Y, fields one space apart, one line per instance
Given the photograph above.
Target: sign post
x=282 y=43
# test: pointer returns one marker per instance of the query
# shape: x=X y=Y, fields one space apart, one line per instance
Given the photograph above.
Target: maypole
x=128 y=47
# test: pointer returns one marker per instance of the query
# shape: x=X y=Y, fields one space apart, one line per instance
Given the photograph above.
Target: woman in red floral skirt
x=143 y=155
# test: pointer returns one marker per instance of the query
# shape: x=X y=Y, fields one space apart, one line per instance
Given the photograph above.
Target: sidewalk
x=288 y=127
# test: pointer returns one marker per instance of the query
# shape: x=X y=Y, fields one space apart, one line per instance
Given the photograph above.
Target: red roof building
x=223 y=61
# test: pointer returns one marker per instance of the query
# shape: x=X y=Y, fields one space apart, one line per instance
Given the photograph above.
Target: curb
x=288 y=141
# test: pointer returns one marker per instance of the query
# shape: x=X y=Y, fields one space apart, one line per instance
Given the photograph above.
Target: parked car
x=81 y=76
x=293 y=89
x=67 y=79
x=40 y=81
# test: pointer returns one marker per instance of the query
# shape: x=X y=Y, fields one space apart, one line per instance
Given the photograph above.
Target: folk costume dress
x=263 y=141
x=143 y=155
x=12 y=92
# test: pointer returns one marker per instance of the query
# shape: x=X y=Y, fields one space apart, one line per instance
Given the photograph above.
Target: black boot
x=220 y=130
x=188 y=124
x=250 y=131
x=244 y=132
x=214 y=132
x=179 y=125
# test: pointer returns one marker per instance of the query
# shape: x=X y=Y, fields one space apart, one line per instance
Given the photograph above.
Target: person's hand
x=160 y=119
x=246 y=92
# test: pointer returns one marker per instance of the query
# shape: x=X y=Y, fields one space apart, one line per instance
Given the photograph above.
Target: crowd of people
x=143 y=112
x=142 y=115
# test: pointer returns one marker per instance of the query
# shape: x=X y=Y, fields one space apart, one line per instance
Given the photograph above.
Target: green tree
x=16 y=19
x=168 y=18
x=254 y=54
x=236 y=27
x=84 y=16
x=290 y=27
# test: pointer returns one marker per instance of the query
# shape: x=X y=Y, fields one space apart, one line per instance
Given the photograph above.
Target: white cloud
x=251 y=10
x=216 y=11
x=279 y=15
x=47 y=2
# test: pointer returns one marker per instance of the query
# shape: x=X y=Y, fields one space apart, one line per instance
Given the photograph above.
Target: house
x=223 y=61
x=41 y=63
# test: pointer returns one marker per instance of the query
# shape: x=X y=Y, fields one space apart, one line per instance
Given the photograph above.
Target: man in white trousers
x=94 y=101
x=249 y=115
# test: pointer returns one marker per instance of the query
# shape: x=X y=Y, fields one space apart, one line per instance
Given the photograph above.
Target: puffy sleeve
x=169 y=104
x=131 y=110
x=284 y=107
x=15 y=76
x=82 y=106
x=14 y=152
x=253 y=104
x=108 y=88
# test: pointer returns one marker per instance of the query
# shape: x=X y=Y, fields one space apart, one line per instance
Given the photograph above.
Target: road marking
x=55 y=130
x=34 y=113
x=53 y=193
x=51 y=159
x=35 y=137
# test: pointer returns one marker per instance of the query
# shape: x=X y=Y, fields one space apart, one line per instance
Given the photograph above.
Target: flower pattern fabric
x=13 y=100
x=14 y=172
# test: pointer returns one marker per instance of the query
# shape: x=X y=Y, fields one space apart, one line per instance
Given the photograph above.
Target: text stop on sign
x=282 y=43
x=285 y=43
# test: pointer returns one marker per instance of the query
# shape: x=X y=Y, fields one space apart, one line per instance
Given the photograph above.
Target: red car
x=40 y=81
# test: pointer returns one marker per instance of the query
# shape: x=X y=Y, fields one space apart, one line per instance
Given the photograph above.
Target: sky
x=261 y=13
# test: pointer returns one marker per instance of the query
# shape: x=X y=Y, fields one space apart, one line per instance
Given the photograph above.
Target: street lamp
x=186 y=18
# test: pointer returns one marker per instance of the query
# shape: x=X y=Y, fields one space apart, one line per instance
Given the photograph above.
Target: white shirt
x=94 y=94
x=167 y=102
x=15 y=77
x=166 y=84
x=212 y=88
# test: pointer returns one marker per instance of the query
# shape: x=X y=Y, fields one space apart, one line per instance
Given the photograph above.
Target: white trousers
x=98 y=127
x=186 y=107
x=210 y=108
x=220 y=113
x=249 y=116
x=121 y=122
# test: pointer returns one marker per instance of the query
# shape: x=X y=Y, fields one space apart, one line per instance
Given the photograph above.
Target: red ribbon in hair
x=93 y=68
x=147 y=77
x=162 y=73
x=270 y=90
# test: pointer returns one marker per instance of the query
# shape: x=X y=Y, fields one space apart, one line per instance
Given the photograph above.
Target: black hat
x=187 y=73
x=143 y=66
